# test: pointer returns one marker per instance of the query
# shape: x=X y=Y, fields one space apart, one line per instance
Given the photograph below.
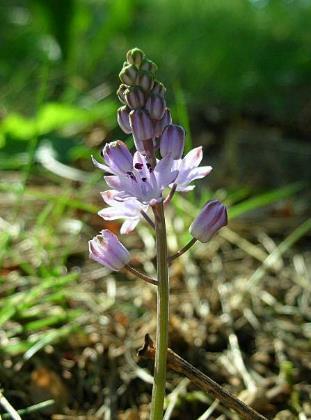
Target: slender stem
x=141 y=275
x=158 y=391
x=147 y=218
x=170 y=195
x=182 y=250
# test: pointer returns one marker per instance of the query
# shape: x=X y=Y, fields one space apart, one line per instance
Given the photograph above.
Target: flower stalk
x=158 y=391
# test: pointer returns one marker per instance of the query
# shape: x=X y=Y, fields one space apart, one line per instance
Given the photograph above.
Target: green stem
x=158 y=392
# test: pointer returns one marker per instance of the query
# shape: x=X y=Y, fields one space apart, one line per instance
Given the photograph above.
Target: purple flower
x=133 y=176
x=141 y=125
x=135 y=97
x=117 y=157
x=122 y=208
x=188 y=169
x=161 y=124
x=145 y=80
x=212 y=217
x=107 y=250
x=172 y=141
x=123 y=118
x=144 y=183
x=155 y=105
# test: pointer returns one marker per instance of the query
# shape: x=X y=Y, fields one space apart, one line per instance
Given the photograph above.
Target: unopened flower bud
x=155 y=105
x=149 y=65
x=135 y=56
x=123 y=118
x=128 y=75
x=135 y=97
x=172 y=141
x=141 y=125
x=118 y=157
x=160 y=125
x=158 y=88
x=121 y=92
x=107 y=250
x=212 y=217
x=145 y=80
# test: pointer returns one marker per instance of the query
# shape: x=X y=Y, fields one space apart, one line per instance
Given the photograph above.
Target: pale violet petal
x=198 y=173
x=164 y=173
x=101 y=166
x=128 y=226
x=193 y=158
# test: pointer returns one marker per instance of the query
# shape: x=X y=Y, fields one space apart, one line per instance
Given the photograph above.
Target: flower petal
x=128 y=226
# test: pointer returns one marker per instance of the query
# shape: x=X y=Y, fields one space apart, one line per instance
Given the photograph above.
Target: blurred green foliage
x=59 y=62
x=244 y=53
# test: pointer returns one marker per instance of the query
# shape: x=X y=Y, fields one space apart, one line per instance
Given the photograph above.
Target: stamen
x=144 y=179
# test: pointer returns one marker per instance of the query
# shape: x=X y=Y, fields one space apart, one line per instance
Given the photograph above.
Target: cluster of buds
x=138 y=183
x=144 y=113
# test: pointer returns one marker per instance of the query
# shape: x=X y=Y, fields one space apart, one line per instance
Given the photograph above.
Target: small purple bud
x=118 y=157
x=155 y=105
x=160 y=125
x=123 y=118
x=121 y=92
x=145 y=80
x=158 y=88
x=149 y=65
x=172 y=141
x=212 y=217
x=128 y=75
x=107 y=250
x=141 y=125
x=135 y=97
x=135 y=56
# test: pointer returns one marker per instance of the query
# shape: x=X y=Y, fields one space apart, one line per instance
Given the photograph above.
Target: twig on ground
x=198 y=378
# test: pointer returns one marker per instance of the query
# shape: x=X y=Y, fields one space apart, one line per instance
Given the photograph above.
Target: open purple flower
x=107 y=250
x=117 y=157
x=129 y=209
x=141 y=182
x=189 y=171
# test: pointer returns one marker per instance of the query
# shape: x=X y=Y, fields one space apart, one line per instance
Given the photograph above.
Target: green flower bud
x=158 y=88
x=149 y=65
x=135 y=56
x=128 y=75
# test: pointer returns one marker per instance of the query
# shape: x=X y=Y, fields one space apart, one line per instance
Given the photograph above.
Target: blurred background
x=238 y=78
